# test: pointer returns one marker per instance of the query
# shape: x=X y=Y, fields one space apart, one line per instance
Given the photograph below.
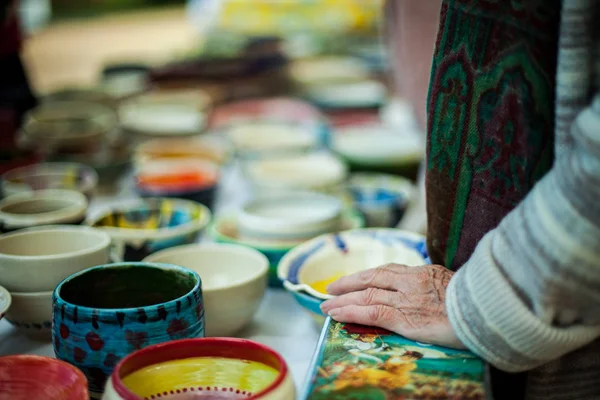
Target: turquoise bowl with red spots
x=104 y=313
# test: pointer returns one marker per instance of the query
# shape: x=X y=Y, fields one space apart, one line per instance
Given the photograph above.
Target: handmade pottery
x=69 y=176
x=318 y=262
x=320 y=172
x=382 y=198
x=104 y=313
x=143 y=227
x=190 y=179
x=297 y=216
x=234 y=281
x=121 y=81
x=312 y=306
x=207 y=147
x=326 y=70
x=344 y=95
x=31 y=313
x=5 y=301
x=43 y=207
x=211 y=368
x=225 y=229
x=37 y=259
x=80 y=94
x=26 y=377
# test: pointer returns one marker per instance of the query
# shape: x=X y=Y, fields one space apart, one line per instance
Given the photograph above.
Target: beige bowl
x=5 y=300
x=234 y=281
x=43 y=207
x=36 y=260
x=32 y=313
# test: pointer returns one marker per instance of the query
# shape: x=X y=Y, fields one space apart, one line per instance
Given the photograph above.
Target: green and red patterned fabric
x=490 y=117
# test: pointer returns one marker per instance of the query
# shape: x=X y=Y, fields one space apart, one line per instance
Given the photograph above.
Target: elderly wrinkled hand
x=410 y=301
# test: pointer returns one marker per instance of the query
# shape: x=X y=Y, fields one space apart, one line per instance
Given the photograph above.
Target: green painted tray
x=354 y=362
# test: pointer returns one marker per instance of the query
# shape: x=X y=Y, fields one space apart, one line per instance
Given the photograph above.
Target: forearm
x=531 y=291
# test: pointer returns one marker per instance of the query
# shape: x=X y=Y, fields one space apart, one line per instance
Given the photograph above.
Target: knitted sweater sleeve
x=530 y=293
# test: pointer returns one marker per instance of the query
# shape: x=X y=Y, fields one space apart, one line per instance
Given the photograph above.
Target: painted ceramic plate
x=5 y=300
x=314 y=264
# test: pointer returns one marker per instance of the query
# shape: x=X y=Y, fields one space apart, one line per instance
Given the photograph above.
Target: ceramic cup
x=25 y=377
x=104 y=313
x=44 y=207
x=37 y=259
x=211 y=368
x=234 y=281
x=31 y=313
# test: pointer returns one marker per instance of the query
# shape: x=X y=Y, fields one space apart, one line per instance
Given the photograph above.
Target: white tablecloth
x=280 y=322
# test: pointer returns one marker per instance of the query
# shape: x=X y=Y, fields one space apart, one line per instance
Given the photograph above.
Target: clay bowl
x=37 y=259
x=5 y=301
x=44 y=207
x=31 y=314
x=25 y=377
x=189 y=179
x=81 y=94
x=69 y=176
x=144 y=227
x=104 y=313
x=347 y=95
x=295 y=216
x=211 y=368
x=207 y=147
x=234 y=281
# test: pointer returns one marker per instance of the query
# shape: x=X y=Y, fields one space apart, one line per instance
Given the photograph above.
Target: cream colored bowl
x=234 y=281
x=32 y=313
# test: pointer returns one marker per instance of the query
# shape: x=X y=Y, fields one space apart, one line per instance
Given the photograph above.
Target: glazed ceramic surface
x=44 y=207
x=356 y=362
x=344 y=95
x=26 y=377
x=225 y=229
x=324 y=70
x=316 y=263
x=37 y=259
x=140 y=229
x=296 y=216
x=213 y=368
x=70 y=176
x=104 y=313
x=205 y=147
x=5 y=301
x=234 y=281
x=31 y=313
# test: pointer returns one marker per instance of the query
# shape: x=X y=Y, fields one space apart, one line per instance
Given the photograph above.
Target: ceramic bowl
x=225 y=229
x=37 y=259
x=382 y=198
x=206 y=147
x=31 y=313
x=310 y=267
x=104 y=313
x=43 y=207
x=189 y=179
x=144 y=227
x=80 y=94
x=121 y=81
x=324 y=70
x=319 y=172
x=25 y=377
x=5 y=301
x=344 y=95
x=211 y=368
x=294 y=217
x=234 y=281
x=69 y=176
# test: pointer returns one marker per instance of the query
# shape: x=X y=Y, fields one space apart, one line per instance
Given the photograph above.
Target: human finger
x=380 y=278
x=380 y=316
x=370 y=296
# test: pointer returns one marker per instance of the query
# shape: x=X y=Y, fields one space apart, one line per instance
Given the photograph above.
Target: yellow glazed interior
x=201 y=374
x=321 y=286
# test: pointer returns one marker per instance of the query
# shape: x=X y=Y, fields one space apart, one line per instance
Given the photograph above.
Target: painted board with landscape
x=357 y=362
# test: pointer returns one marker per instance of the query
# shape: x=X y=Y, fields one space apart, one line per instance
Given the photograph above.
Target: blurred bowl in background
x=345 y=95
x=204 y=147
x=124 y=80
x=81 y=94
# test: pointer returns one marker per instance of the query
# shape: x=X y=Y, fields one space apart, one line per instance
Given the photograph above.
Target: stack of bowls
x=34 y=261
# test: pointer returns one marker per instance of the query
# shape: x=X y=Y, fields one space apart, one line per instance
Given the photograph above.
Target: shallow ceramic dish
x=189 y=179
x=43 y=207
x=5 y=300
x=25 y=377
x=31 y=313
x=211 y=368
x=234 y=281
x=318 y=262
x=382 y=198
x=205 y=147
x=37 y=259
x=80 y=94
x=225 y=229
x=69 y=176
x=295 y=216
x=104 y=313
x=323 y=70
x=361 y=94
x=320 y=172
x=143 y=227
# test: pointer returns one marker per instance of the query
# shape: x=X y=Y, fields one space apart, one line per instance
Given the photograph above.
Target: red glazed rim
x=203 y=347
x=80 y=383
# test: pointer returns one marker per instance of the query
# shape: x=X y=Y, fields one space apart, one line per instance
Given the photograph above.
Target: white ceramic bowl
x=32 y=313
x=5 y=300
x=38 y=259
x=362 y=94
x=321 y=70
x=234 y=280
x=205 y=147
x=294 y=216
x=43 y=207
